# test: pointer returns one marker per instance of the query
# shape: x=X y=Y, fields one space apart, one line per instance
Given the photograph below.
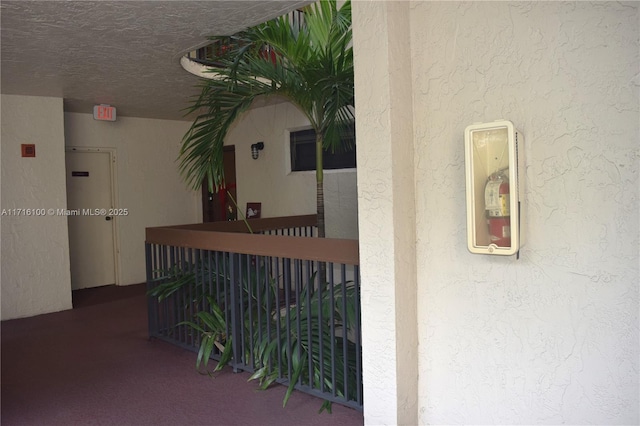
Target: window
x=303 y=151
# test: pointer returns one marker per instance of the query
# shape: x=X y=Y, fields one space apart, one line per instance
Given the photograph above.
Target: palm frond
x=311 y=66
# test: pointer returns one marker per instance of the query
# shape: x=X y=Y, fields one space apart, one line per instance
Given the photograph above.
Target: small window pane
x=303 y=152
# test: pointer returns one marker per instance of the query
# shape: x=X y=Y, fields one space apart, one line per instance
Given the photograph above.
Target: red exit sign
x=104 y=112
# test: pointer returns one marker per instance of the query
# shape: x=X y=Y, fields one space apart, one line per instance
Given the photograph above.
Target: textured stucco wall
x=148 y=181
x=386 y=199
x=553 y=337
x=35 y=249
x=281 y=192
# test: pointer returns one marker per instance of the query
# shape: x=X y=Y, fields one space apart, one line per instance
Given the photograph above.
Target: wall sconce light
x=255 y=149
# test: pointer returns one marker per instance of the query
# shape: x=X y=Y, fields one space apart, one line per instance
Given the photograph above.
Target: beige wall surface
x=552 y=337
x=148 y=182
x=387 y=219
x=148 y=185
x=549 y=338
x=35 y=249
x=269 y=179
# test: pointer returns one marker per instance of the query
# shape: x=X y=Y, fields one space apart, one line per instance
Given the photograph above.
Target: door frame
x=114 y=200
x=204 y=191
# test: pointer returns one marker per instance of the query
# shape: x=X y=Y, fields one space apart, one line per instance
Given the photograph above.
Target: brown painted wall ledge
x=234 y=237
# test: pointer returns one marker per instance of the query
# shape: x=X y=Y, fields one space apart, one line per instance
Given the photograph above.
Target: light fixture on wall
x=255 y=149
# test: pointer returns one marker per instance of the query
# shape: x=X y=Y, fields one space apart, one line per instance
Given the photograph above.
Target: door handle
x=107 y=218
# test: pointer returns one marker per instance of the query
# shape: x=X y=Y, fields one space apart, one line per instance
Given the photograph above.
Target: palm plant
x=310 y=65
x=317 y=350
x=305 y=337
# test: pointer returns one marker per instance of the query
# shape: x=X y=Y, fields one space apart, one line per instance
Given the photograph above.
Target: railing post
x=236 y=310
x=152 y=305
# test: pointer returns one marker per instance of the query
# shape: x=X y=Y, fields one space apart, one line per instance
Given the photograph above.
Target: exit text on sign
x=104 y=112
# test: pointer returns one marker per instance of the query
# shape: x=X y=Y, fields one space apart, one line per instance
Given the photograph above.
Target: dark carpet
x=94 y=365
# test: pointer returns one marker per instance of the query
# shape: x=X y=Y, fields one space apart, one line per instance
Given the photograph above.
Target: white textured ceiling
x=123 y=53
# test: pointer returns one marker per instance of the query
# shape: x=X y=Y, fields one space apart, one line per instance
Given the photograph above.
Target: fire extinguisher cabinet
x=494 y=171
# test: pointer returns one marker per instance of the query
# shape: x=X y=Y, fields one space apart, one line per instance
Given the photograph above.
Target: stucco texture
x=552 y=337
x=35 y=244
x=386 y=203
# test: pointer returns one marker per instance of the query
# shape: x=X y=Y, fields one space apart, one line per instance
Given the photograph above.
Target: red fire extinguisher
x=496 y=198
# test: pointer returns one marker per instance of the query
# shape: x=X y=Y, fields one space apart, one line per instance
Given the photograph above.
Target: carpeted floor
x=94 y=365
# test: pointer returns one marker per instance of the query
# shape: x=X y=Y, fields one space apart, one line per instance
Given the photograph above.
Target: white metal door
x=91 y=228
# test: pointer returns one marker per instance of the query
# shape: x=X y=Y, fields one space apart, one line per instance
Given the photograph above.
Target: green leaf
x=226 y=356
x=206 y=347
x=327 y=405
x=298 y=366
x=259 y=374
